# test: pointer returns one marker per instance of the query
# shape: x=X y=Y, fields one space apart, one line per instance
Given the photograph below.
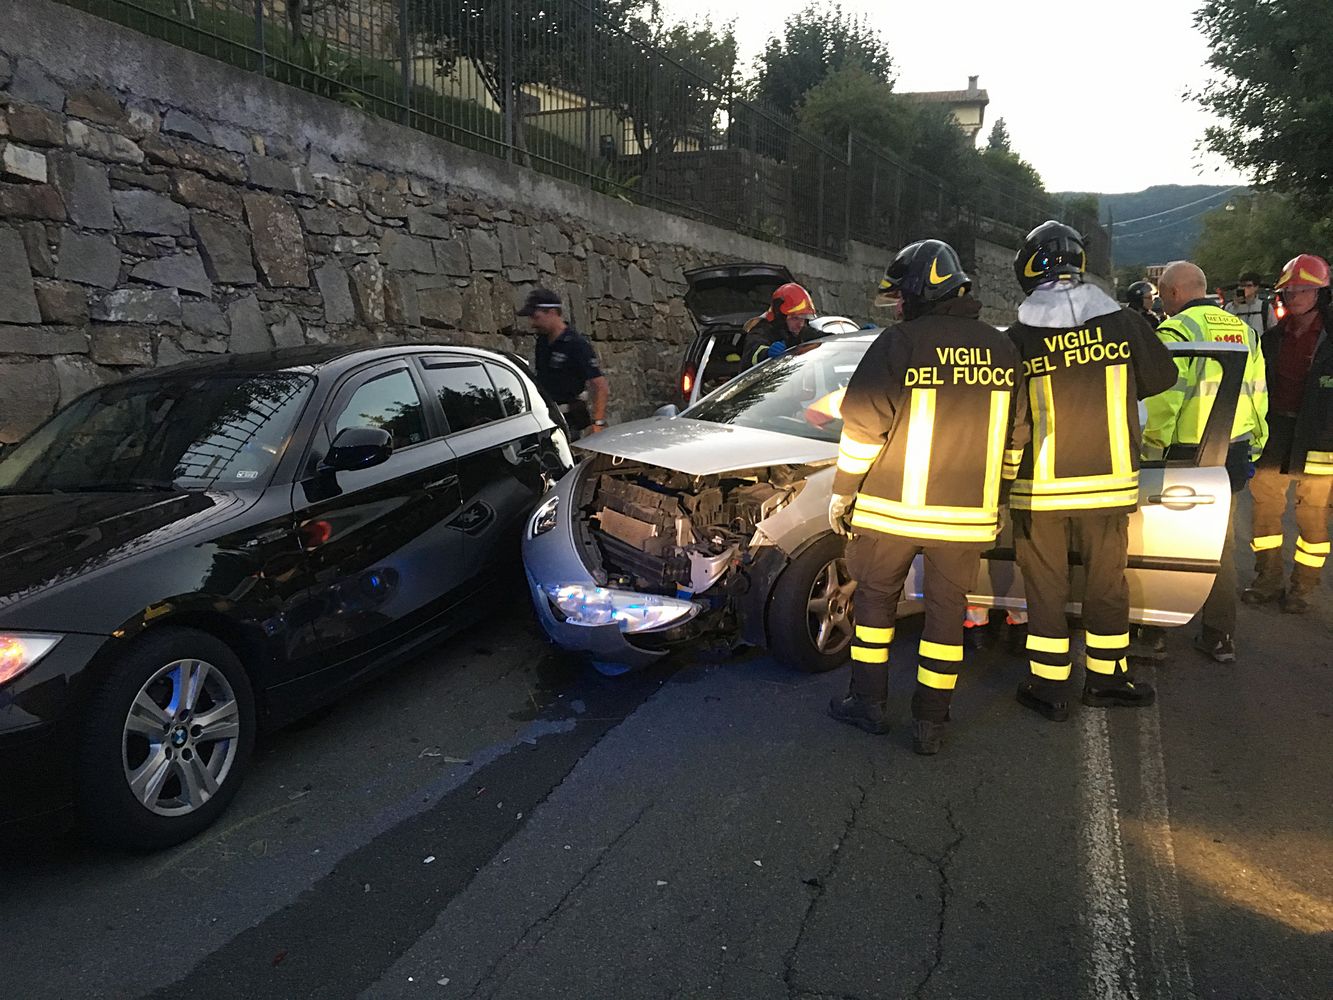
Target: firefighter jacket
x=1312 y=444
x=1087 y=362
x=1179 y=415
x=933 y=420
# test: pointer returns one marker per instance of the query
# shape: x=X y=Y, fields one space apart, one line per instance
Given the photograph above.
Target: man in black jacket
x=1087 y=363
x=929 y=436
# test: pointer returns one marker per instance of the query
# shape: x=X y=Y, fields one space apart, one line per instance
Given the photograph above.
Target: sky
x=1095 y=101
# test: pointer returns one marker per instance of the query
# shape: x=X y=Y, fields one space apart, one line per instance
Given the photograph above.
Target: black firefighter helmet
x=1140 y=295
x=925 y=271
x=1051 y=252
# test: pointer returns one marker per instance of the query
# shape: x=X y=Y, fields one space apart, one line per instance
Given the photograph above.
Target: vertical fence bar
x=259 y=36
x=507 y=58
x=588 y=90
x=820 y=157
x=406 y=54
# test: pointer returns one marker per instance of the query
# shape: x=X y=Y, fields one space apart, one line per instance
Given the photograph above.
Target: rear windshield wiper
x=120 y=486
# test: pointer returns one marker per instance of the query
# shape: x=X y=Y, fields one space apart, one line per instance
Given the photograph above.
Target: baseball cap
x=540 y=298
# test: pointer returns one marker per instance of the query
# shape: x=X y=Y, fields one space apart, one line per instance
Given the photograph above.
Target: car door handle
x=442 y=484
x=1181 y=500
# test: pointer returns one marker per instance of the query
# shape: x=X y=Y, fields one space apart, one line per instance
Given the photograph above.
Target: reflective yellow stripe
x=1117 y=422
x=1013 y=456
x=1048 y=673
x=855 y=466
x=922 y=529
x=1314 y=548
x=1047 y=644
x=895 y=508
x=1086 y=484
x=940 y=682
x=996 y=434
x=1319 y=456
x=1091 y=501
x=1100 y=666
x=916 y=462
x=1265 y=542
x=864 y=654
x=1043 y=401
x=1305 y=559
x=940 y=651
x=1319 y=468
x=1106 y=641
x=852 y=448
x=869 y=633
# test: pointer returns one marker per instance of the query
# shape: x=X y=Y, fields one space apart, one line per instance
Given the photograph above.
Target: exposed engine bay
x=665 y=532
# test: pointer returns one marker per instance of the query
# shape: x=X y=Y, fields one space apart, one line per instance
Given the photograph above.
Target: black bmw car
x=201 y=552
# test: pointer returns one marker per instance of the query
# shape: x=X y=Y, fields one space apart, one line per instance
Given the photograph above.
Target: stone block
x=31 y=201
x=484 y=249
x=287 y=330
x=596 y=285
x=423 y=223
x=478 y=311
x=516 y=247
x=440 y=307
x=139 y=305
x=18 y=302
x=402 y=306
x=249 y=334
x=75 y=376
x=192 y=156
x=98 y=106
x=122 y=346
x=168 y=352
x=35 y=126
x=279 y=242
x=402 y=252
x=133 y=177
x=617 y=283
x=204 y=318
x=150 y=212
x=640 y=285
x=62 y=302
x=88 y=259
x=545 y=262
x=179 y=123
x=569 y=269
x=225 y=249
x=387 y=204
x=275 y=175
x=41 y=340
x=181 y=270
x=21 y=164
x=86 y=192
x=322 y=221
x=551 y=239
x=140 y=121
x=101 y=144
x=28 y=395
x=38 y=244
x=521 y=275
x=198 y=191
x=198 y=343
x=362 y=246
x=30 y=83
x=354 y=225
x=451 y=257
x=368 y=288
x=338 y=305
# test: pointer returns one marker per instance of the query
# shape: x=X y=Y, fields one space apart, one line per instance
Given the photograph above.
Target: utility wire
x=1158 y=229
x=1211 y=197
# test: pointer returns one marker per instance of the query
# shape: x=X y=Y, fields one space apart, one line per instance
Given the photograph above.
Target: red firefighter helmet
x=791 y=300
x=1305 y=271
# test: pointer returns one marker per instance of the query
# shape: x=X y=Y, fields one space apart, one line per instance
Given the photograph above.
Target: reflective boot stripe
x=1099 y=666
x=1049 y=673
x=1265 y=542
x=870 y=654
x=1046 y=644
x=1120 y=641
x=939 y=651
x=938 y=681
x=879 y=636
x=1314 y=548
x=1305 y=559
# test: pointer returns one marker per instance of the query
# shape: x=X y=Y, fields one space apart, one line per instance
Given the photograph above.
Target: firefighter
x=1087 y=362
x=784 y=325
x=1178 y=416
x=1299 y=356
x=927 y=443
x=1141 y=296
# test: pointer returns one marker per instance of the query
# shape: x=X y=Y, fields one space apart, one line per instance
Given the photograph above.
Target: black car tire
x=789 y=636
x=110 y=812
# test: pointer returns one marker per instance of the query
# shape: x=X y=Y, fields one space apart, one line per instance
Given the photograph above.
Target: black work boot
x=1299 y=598
x=1218 y=645
x=867 y=694
x=927 y=736
x=1117 y=692
x=1147 y=644
x=1044 y=699
x=1267 y=585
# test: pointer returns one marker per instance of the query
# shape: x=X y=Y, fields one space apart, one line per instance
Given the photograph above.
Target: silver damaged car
x=712 y=523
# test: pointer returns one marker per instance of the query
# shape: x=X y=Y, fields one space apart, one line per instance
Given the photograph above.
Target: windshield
x=798 y=393
x=182 y=432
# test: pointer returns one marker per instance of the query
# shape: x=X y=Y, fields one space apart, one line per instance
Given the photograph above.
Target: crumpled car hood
x=702 y=448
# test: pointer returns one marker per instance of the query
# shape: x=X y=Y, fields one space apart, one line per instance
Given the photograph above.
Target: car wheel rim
x=829 y=610
x=181 y=737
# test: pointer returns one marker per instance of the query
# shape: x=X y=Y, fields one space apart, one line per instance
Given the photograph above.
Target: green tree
x=851 y=99
x=999 y=141
x=815 y=42
x=1274 y=91
x=1259 y=233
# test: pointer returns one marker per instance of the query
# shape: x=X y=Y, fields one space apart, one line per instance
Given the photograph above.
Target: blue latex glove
x=776 y=348
x=1249 y=470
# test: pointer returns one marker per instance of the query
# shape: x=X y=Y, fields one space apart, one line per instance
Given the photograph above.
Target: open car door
x=1175 y=537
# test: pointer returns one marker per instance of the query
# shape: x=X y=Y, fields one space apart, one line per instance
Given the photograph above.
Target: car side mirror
x=670 y=410
x=358 y=448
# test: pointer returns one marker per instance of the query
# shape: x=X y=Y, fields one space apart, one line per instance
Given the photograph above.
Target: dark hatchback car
x=202 y=552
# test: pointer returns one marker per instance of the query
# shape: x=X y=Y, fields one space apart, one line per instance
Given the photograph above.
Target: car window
x=389 y=402
x=465 y=392
x=509 y=388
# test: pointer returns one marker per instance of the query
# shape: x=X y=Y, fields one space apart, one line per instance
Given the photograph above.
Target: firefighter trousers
x=1269 y=488
x=1042 y=543
x=880 y=563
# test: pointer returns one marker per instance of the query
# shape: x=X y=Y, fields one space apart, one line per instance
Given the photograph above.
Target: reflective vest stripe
x=895 y=508
x=923 y=529
x=856 y=457
x=1086 y=485
x=916 y=462
x=1043 y=420
x=996 y=433
x=1013 y=458
x=1092 y=501
x=1117 y=420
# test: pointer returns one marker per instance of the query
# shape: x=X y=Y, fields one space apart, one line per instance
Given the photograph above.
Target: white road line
x=1110 y=972
x=1171 y=979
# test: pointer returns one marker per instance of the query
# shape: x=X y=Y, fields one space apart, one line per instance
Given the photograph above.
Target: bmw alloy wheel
x=829 y=609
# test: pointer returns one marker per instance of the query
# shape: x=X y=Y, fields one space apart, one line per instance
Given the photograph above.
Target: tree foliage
x=1275 y=92
x=1259 y=233
x=814 y=43
x=999 y=141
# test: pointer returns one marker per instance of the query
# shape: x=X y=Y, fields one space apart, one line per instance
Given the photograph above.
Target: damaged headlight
x=545 y=517
x=593 y=605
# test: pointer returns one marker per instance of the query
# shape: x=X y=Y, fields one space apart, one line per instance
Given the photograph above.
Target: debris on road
x=429 y=859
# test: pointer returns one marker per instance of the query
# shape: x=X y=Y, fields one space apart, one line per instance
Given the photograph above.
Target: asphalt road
x=496 y=821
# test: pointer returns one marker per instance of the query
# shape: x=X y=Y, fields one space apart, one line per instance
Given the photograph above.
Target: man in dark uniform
x=1141 y=296
x=784 y=325
x=933 y=425
x=567 y=365
x=1087 y=363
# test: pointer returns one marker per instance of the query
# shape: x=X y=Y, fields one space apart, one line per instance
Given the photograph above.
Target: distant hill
x=1161 y=238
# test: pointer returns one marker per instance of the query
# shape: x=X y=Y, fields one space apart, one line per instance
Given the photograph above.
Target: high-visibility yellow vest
x=1179 y=415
